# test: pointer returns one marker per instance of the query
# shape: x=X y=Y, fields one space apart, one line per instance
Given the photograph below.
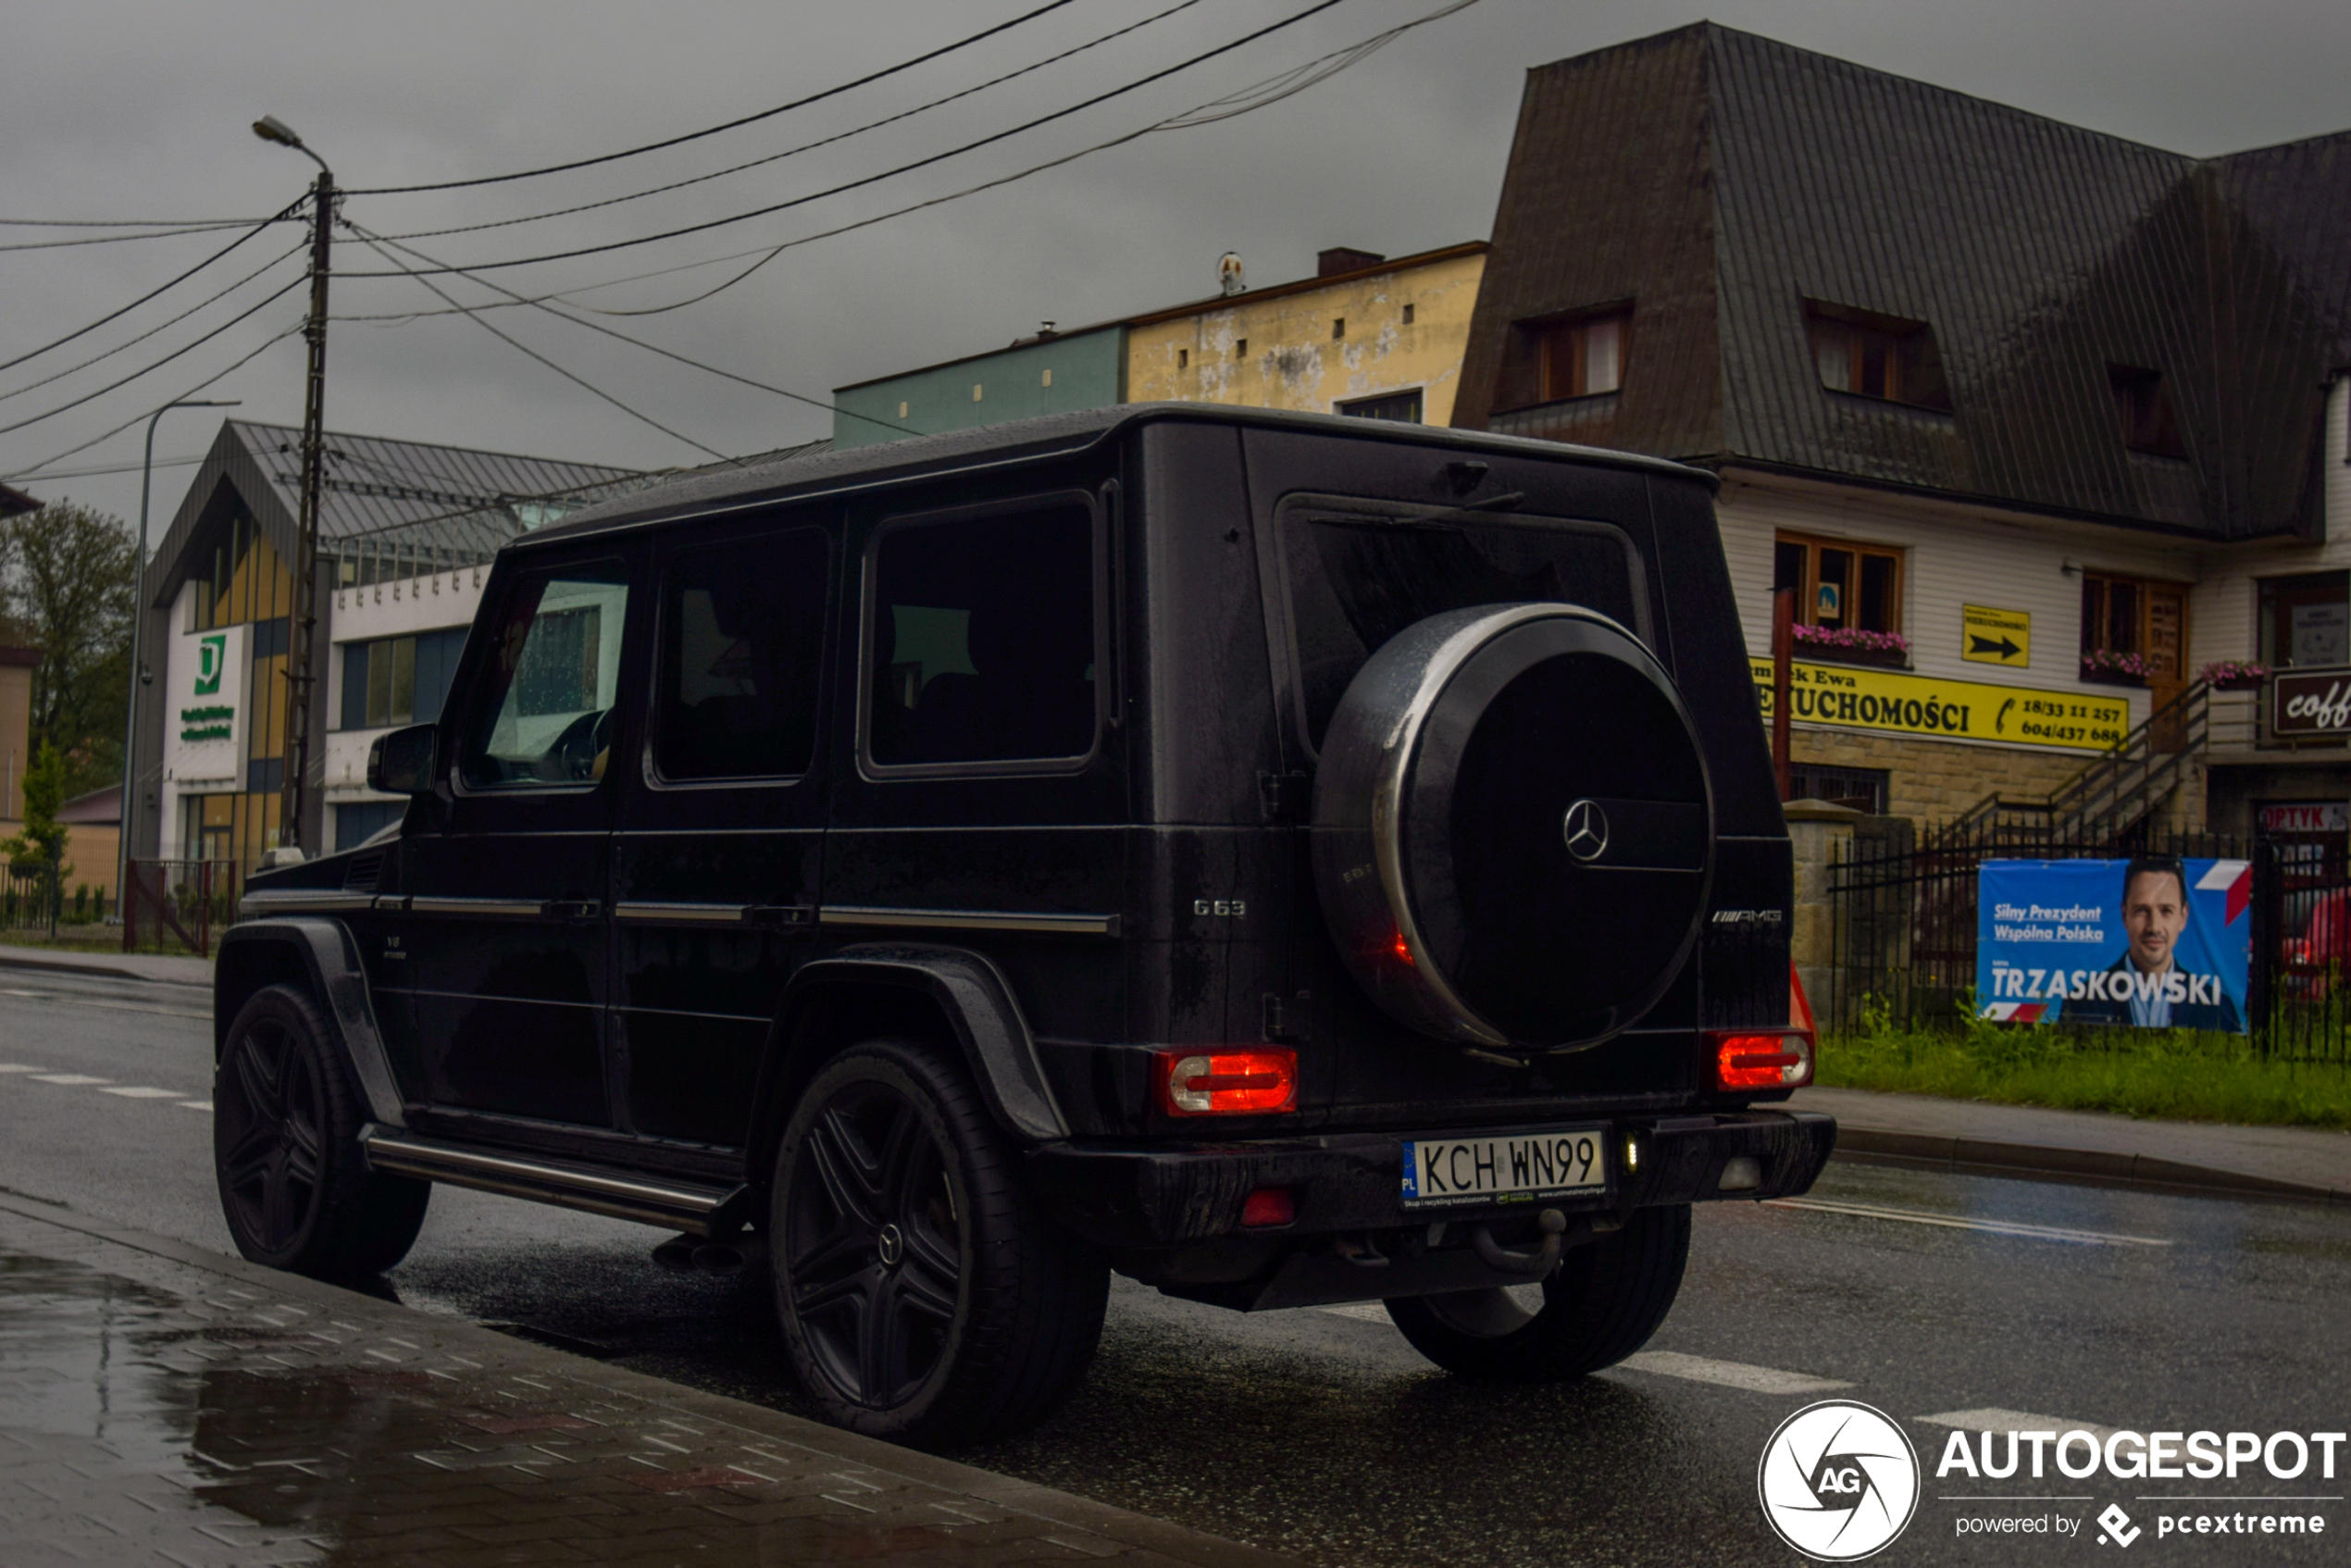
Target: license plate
x=1513 y=1167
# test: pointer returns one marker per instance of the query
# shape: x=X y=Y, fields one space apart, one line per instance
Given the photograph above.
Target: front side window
x=1361 y=571
x=543 y=713
x=980 y=638
x=742 y=638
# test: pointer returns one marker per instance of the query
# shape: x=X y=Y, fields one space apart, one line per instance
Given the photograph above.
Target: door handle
x=781 y=914
x=572 y=909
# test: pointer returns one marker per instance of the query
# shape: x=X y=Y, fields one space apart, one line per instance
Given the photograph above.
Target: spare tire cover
x=1513 y=832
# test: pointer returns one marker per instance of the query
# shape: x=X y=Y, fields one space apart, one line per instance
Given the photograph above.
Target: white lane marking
x=1969 y=1222
x=144 y=1093
x=70 y=1080
x=1365 y=1312
x=2004 y=1421
x=203 y=1105
x=1730 y=1374
x=16 y=1067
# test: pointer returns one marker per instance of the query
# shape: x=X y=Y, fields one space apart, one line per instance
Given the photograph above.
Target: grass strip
x=2176 y=1075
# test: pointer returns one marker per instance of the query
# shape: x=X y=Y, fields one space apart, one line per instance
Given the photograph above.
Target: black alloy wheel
x=922 y=1296
x=294 y=1186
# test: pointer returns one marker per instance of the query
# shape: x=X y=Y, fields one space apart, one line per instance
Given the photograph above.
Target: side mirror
x=402 y=761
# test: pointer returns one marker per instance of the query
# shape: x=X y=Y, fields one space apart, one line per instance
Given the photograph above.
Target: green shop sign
x=207 y=724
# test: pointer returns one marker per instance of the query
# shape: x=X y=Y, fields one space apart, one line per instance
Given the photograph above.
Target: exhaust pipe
x=677 y=1255
x=693 y=1254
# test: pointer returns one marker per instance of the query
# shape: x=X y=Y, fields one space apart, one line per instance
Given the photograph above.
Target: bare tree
x=67 y=586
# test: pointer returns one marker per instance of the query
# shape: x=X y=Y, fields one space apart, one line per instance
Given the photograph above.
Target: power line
x=159 y=364
x=371 y=240
x=130 y=222
x=209 y=381
x=809 y=146
x=124 y=467
x=175 y=283
x=729 y=125
x=487 y=325
x=153 y=331
x=1259 y=95
x=119 y=239
x=1316 y=9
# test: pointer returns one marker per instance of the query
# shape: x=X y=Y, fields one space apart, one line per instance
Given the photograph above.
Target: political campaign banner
x=2154 y=942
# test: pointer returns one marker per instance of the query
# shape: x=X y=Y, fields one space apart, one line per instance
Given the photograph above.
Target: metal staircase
x=2107 y=801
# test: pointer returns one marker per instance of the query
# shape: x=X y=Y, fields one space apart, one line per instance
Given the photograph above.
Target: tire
x=1598 y=1306
x=294 y=1186
x=922 y=1294
x=1513 y=832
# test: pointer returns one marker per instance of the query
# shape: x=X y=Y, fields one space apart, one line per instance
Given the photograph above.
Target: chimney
x=1329 y=264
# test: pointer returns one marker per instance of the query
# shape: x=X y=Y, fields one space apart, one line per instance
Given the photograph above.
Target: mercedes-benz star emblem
x=892 y=1245
x=1585 y=830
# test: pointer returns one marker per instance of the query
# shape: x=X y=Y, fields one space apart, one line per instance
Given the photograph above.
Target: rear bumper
x=1156 y=1195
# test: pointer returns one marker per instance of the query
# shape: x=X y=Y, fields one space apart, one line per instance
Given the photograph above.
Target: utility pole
x=300 y=652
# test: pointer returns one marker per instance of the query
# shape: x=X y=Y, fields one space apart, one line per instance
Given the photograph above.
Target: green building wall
x=1053 y=376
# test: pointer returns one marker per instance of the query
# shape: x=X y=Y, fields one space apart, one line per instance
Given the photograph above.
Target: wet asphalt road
x=1324 y=1434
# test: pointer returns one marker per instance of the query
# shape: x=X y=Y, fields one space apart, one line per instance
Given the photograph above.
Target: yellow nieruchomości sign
x=1996 y=637
x=1896 y=703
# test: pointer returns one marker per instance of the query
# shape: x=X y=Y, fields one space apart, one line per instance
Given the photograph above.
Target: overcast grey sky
x=140 y=108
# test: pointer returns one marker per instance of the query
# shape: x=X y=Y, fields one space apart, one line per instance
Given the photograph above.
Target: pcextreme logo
x=1838 y=1481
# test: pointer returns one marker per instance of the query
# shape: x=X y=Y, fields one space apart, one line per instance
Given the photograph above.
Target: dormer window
x=1578 y=354
x=1868 y=355
x=2144 y=405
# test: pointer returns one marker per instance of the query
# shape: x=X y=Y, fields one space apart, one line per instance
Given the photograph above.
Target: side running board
x=692 y=1207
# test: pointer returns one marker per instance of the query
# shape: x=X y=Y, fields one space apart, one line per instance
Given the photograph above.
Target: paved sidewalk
x=2293 y=1163
x=151 y=966
x=164 y=1405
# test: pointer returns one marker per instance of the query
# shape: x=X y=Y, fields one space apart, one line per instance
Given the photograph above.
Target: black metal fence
x=177 y=906
x=1905 y=920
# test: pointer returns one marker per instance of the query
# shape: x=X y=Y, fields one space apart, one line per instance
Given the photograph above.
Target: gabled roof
x=1720 y=181
x=373 y=487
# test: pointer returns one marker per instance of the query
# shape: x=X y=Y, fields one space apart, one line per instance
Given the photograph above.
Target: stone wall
x=1934 y=780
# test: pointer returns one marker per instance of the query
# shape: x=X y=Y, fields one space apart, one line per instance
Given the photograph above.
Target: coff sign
x=2312 y=703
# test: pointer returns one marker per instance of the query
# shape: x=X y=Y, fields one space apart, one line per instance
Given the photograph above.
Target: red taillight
x=1779 y=1060
x=1753 y=1059
x=1269 y=1205
x=1227 y=1083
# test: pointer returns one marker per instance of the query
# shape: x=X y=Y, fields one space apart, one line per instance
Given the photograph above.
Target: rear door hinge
x=1290 y=1018
x=1286 y=797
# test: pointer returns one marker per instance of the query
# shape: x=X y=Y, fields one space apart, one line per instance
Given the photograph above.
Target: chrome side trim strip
x=694 y=913
x=968 y=920
x=688 y=1208
x=519 y=908
x=300 y=900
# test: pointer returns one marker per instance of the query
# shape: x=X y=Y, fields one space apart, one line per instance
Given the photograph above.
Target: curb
x=1167 y=1541
x=12 y=958
x=2047 y=1163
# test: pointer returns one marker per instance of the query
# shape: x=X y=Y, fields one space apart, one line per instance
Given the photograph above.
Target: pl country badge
x=1838 y=1481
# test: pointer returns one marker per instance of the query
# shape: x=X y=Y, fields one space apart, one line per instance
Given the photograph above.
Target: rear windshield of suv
x=1361 y=571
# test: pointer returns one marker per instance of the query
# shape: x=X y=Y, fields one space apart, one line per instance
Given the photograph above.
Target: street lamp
x=138 y=620
x=300 y=654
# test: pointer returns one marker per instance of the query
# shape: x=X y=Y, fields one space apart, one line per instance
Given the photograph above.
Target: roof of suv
x=1019 y=440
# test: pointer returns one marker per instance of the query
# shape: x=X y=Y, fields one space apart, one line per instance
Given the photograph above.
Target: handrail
x=2068 y=808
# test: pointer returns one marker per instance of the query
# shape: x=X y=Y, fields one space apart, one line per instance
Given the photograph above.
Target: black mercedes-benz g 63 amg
x=1285 y=859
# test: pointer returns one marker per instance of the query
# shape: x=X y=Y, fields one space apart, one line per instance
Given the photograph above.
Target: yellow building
x=1365 y=335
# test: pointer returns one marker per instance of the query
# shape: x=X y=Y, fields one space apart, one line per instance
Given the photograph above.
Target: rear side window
x=543 y=711
x=1361 y=571
x=742 y=637
x=981 y=639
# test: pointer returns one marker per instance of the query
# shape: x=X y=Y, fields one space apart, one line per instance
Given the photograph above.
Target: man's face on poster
x=2155 y=911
